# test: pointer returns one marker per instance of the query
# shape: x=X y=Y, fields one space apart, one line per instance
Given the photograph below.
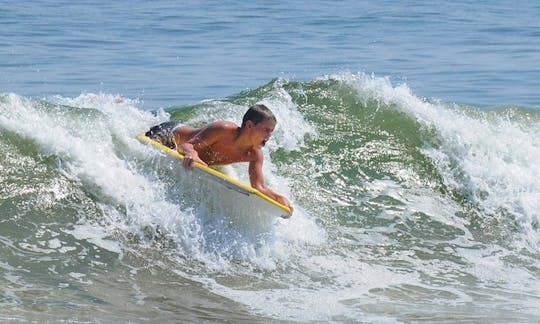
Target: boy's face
x=261 y=132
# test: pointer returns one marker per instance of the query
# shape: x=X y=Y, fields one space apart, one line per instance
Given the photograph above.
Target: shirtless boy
x=223 y=142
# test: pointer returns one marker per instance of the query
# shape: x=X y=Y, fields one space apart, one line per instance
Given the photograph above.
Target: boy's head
x=258 y=114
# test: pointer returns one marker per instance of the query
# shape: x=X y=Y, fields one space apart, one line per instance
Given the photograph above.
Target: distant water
x=167 y=53
x=407 y=140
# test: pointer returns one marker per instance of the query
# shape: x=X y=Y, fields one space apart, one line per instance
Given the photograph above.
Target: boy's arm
x=190 y=155
x=204 y=138
x=256 y=178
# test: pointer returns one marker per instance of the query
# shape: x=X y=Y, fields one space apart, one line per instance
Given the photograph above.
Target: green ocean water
x=406 y=209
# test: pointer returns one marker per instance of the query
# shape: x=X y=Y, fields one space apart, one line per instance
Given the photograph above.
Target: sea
x=407 y=141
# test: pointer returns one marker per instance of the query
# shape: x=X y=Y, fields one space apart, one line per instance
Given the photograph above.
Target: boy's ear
x=249 y=124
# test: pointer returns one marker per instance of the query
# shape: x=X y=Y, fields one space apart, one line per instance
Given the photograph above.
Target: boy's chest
x=225 y=154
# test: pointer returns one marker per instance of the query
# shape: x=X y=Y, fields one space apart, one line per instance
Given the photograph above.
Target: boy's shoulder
x=222 y=125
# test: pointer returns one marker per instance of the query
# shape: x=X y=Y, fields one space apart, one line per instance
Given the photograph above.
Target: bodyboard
x=260 y=200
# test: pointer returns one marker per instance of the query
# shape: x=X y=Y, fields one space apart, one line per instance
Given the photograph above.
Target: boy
x=223 y=142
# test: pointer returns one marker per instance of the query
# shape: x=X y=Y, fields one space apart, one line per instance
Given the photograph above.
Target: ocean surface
x=407 y=140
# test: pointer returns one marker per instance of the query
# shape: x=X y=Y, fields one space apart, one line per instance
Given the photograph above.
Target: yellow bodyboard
x=222 y=178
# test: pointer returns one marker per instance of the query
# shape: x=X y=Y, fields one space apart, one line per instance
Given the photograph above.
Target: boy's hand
x=284 y=201
x=190 y=159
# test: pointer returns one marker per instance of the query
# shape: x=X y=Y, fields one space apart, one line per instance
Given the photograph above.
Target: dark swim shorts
x=163 y=133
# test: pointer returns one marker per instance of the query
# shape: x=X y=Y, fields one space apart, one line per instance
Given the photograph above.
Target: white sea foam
x=94 y=138
x=306 y=271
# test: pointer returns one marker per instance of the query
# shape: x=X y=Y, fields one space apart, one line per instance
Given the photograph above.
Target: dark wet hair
x=258 y=114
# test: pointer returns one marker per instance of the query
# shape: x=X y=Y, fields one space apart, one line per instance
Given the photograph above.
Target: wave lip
x=486 y=157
